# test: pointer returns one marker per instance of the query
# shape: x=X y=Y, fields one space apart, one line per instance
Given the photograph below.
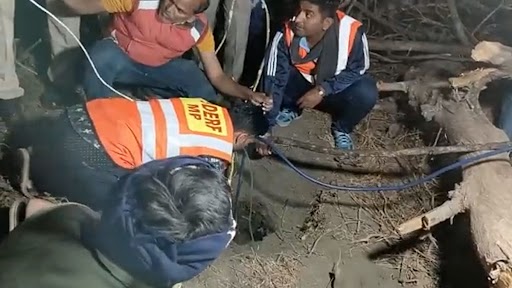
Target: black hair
x=328 y=8
x=248 y=118
x=185 y=204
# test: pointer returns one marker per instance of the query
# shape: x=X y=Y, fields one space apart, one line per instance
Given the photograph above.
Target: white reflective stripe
x=307 y=77
x=147 y=124
x=366 y=51
x=172 y=126
x=344 y=42
x=272 y=59
x=205 y=141
x=175 y=141
x=232 y=231
x=195 y=34
x=148 y=4
x=113 y=36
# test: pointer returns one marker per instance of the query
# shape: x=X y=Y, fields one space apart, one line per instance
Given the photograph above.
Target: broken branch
x=363 y=165
x=494 y=53
x=418 y=46
x=460 y=30
x=392 y=26
x=435 y=216
x=405 y=86
x=439 y=150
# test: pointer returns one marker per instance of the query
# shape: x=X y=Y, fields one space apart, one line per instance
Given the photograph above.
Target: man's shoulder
x=47 y=243
x=67 y=218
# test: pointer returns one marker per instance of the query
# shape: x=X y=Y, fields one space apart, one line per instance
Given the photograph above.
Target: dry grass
x=377 y=215
x=278 y=271
x=390 y=209
x=7 y=194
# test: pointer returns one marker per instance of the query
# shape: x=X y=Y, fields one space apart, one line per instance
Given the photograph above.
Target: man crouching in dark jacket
x=166 y=223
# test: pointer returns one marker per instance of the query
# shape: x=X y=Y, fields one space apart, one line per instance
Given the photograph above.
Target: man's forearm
x=229 y=87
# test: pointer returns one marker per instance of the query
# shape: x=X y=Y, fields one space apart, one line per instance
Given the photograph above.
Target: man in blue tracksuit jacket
x=320 y=60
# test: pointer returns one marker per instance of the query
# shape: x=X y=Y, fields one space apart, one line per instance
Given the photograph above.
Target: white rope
x=230 y=18
x=82 y=47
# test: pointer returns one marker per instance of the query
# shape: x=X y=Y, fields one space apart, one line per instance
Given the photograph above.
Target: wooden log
x=367 y=165
x=484 y=192
x=418 y=46
x=494 y=53
x=433 y=150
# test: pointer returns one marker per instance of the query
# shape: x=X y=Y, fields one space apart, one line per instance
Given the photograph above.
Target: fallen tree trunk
x=418 y=46
x=370 y=164
x=485 y=190
x=431 y=150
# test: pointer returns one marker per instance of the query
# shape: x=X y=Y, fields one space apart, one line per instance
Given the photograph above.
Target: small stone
x=394 y=130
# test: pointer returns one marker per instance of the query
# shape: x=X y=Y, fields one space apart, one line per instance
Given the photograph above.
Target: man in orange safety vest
x=84 y=151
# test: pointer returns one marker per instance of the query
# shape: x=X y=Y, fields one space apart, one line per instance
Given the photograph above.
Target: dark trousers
x=346 y=108
x=505 y=119
x=63 y=164
x=178 y=77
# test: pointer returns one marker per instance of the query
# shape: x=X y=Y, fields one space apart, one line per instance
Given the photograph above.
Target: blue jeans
x=179 y=77
x=505 y=120
x=346 y=108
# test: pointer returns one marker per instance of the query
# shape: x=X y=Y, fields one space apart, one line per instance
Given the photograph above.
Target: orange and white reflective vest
x=135 y=132
x=348 y=27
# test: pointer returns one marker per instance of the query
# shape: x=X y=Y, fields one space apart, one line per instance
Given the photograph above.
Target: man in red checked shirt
x=147 y=41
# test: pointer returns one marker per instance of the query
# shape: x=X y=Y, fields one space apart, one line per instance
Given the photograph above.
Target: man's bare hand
x=310 y=100
x=262 y=149
x=260 y=99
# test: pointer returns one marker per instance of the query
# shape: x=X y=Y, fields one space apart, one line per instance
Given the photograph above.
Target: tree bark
x=418 y=46
x=485 y=190
x=370 y=164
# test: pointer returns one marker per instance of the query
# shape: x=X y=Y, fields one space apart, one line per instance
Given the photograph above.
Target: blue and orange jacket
x=353 y=59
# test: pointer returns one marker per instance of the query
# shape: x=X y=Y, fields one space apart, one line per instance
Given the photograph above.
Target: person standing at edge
x=10 y=90
x=236 y=33
x=320 y=60
x=148 y=38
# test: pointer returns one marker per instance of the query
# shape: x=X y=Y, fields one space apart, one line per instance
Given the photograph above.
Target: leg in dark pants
x=505 y=119
x=346 y=108
x=180 y=77
x=285 y=109
x=349 y=107
x=63 y=164
x=113 y=65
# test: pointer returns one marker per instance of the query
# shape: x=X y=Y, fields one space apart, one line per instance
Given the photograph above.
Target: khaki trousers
x=9 y=84
x=60 y=38
x=236 y=39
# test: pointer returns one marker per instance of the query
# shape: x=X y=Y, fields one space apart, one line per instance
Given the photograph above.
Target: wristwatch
x=321 y=91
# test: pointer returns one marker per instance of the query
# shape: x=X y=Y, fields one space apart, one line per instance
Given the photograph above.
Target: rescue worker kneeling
x=83 y=152
x=163 y=223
